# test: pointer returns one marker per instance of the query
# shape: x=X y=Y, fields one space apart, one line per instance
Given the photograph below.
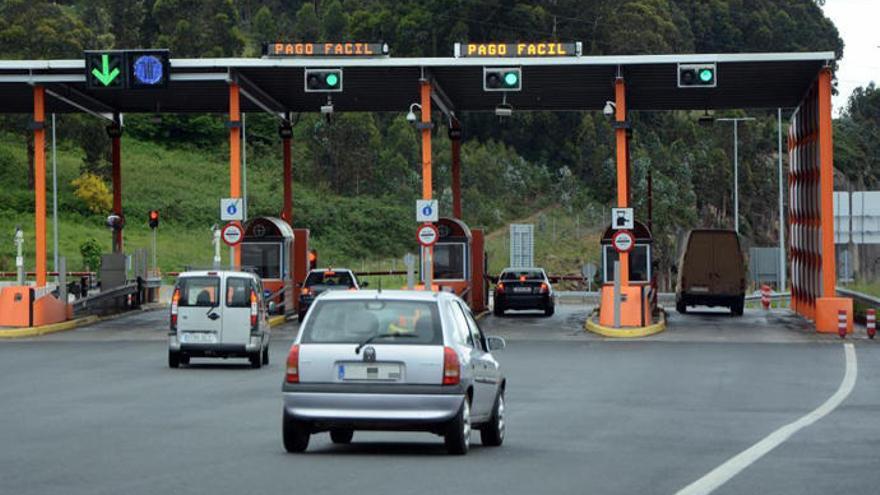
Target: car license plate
x=369 y=371
x=198 y=338
x=523 y=290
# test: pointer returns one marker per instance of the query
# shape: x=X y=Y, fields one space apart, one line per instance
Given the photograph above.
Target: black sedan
x=524 y=288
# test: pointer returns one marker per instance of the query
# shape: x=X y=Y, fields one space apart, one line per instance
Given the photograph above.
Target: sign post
x=428 y=235
x=409 y=260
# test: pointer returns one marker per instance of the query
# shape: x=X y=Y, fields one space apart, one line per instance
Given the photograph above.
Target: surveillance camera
x=411 y=117
x=609 y=109
x=327 y=109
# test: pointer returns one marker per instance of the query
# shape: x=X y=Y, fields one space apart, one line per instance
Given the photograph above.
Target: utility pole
x=736 y=122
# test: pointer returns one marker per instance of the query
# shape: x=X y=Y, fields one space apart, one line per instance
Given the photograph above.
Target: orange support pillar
x=286 y=134
x=40 y=182
x=828 y=305
x=235 y=156
x=115 y=133
x=622 y=165
x=455 y=137
x=427 y=182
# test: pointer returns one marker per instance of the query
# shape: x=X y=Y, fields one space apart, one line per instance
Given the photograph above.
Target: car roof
x=330 y=269
x=216 y=273
x=396 y=295
x=523 y=269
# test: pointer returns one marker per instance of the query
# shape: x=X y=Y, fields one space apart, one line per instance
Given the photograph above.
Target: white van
x=218 y=314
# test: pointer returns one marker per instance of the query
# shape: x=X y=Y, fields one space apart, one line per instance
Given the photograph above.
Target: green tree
x=334 y=21
x=307 y=26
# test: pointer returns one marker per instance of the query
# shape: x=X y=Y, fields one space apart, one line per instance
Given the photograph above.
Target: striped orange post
x=427 y=181
x=40 y=183
x=235 y=156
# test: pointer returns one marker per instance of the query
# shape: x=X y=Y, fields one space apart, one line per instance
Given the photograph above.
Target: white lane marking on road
x=720 y=475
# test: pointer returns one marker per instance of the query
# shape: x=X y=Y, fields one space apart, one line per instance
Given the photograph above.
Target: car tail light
x=451 y=367
x=522 y=278
x=253 y=310
x=499 y=288
x=305 y=291
x=292 y=374
x=175 y=300
x=544 y=287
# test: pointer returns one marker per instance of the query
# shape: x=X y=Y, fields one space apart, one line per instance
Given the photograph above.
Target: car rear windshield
x=519 y=274
x=397 y=322
x=330 y=278
x=198 y=291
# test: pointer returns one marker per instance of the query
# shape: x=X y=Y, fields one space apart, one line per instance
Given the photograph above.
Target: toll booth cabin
x=636 y=297
x=460 y=262
x=267 y=248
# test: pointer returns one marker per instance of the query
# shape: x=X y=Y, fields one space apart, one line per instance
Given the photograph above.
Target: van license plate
x=198 y=338
x=369 y=371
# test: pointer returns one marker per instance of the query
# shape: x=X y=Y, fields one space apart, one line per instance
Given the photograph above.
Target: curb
x=277 y=320
x=47 y=329
x=626 y=333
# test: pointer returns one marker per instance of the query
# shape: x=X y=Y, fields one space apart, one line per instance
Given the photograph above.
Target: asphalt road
x=97 y=411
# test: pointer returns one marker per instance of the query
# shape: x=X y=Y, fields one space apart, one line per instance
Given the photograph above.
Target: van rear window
x=199 y=291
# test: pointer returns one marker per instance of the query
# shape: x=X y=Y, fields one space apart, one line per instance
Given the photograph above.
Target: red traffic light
x=154 y=219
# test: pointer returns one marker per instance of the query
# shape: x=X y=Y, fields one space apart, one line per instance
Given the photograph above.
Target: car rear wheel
x=173 y=359
x=498 y=310
x=736 y=309
x=256 y=360
x=458 y=431
x=492 y=435
x=266 y=356
x=549 y=309
x=184 y=359
x=296 y=434
x=341 y=436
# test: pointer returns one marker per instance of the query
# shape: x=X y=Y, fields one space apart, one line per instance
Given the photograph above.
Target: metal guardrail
x=860 y=297
x=774 y=296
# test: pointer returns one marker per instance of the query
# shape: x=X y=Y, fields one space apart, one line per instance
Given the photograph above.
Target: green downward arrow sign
x=106 y=76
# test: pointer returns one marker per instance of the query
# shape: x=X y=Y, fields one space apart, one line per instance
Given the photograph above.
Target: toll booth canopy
x=266 y=247
x=452 y=251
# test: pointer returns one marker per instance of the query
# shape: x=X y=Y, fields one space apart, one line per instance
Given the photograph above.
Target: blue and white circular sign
x=148 y=70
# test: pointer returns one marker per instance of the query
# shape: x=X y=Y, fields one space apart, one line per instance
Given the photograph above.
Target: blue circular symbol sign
x=231 y=209
x=148 y=69
x=427 y=210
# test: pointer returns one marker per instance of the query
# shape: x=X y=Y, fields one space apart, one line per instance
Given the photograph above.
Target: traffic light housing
x=323 y=80
x=154 y=219
x=697 y=76
x=105 y=69
x=502 y=79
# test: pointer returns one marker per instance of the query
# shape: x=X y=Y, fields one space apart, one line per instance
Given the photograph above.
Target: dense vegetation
x=364 y=167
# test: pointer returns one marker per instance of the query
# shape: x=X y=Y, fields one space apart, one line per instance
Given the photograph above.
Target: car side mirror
x=271 y=306
x=496 y=343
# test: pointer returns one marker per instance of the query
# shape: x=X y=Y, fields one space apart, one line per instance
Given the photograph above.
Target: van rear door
x=237 y=310
x=728 y=265
x=698 y=264
x=199 y=315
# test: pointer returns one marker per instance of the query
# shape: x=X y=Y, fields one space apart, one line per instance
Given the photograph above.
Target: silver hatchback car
x=393 y=360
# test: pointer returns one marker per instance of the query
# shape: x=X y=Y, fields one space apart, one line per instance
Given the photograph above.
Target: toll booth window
x=238 y=293
x=449 y=261
x=330 y=278
x=264 y=258
x=199 y=291
x=639 y=269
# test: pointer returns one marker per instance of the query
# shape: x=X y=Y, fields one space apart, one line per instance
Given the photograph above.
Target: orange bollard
x=765 y=296
x=841 y=323
x=871 y=322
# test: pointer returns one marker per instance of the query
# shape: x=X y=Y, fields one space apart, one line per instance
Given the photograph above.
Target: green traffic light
x=331 y=79
x=511 y=79
x=706 y=75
